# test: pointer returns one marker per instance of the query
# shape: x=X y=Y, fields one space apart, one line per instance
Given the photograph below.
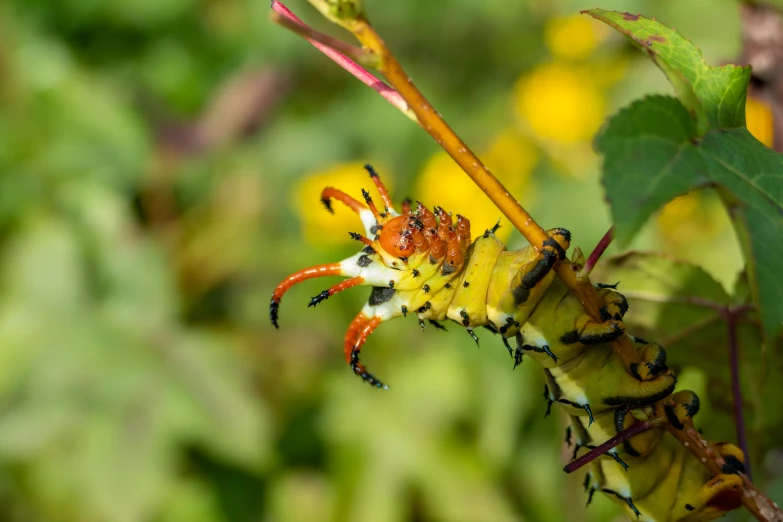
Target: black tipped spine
x=370 y=170
x=274 y=312
x=318 y=298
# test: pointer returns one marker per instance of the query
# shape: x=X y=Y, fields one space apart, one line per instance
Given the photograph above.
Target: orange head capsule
x=394 y=239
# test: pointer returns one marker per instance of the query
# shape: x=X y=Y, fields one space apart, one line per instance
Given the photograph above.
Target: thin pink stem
x=596 y=254
x=341 y=59
x=364 y=58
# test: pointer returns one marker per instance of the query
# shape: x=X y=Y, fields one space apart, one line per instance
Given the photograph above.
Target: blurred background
x=160 y=166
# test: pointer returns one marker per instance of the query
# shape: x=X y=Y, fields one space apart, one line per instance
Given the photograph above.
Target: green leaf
x=648 y=161
x=715 y=95
x=675 y=304
x=751 y=180
x=660 y=147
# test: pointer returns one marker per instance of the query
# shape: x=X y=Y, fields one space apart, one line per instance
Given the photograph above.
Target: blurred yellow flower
x=758 y=117
x=604 y=71
x=571 y=37
x=559 y=103
x=323 y=229
x=509 y=156
x=691 y=217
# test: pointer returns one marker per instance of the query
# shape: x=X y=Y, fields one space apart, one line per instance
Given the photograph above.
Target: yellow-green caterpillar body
x=424 y=263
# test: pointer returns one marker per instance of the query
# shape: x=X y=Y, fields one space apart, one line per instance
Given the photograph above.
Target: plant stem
x=596 y=254
x=621 y=437
x=281 y=15
x=736 y=392
x=339 y=52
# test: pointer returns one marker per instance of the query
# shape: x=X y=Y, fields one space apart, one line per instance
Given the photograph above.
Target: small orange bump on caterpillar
x=416 y=232
x=430 y=225
x=459 y=243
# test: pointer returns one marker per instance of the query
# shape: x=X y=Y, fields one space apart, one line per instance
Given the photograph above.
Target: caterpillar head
x=406 y=255
x=399 y=245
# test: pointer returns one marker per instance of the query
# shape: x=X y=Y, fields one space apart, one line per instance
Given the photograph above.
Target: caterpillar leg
x=535 y=270
x=698 y=496
x=615 y=304
x=733 y=457
x=581 y=439
x=589 y=331
x=653 y=362
x=358 y=331
x=721 y=494
x=523 y=347
x=550 y=400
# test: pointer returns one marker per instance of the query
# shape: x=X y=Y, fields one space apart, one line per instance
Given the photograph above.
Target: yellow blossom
x=572 y=37
x=323 y=229
x=691 y=217
x=509 y=156
x=758 y=117
x=605 y=71
x=559 y=103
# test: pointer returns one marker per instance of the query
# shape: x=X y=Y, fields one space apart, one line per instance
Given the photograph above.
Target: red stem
x=621 y=437
x=736 y=392
x=389 y=94
x=596 y=254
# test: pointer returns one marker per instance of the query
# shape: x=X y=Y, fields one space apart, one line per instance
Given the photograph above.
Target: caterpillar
x=423 y=262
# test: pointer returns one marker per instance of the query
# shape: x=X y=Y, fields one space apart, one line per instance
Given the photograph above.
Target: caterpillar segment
x=422 y=262
x=652 y=475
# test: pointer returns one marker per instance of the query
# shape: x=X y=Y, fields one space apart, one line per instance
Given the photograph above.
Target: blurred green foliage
x=150 y=156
